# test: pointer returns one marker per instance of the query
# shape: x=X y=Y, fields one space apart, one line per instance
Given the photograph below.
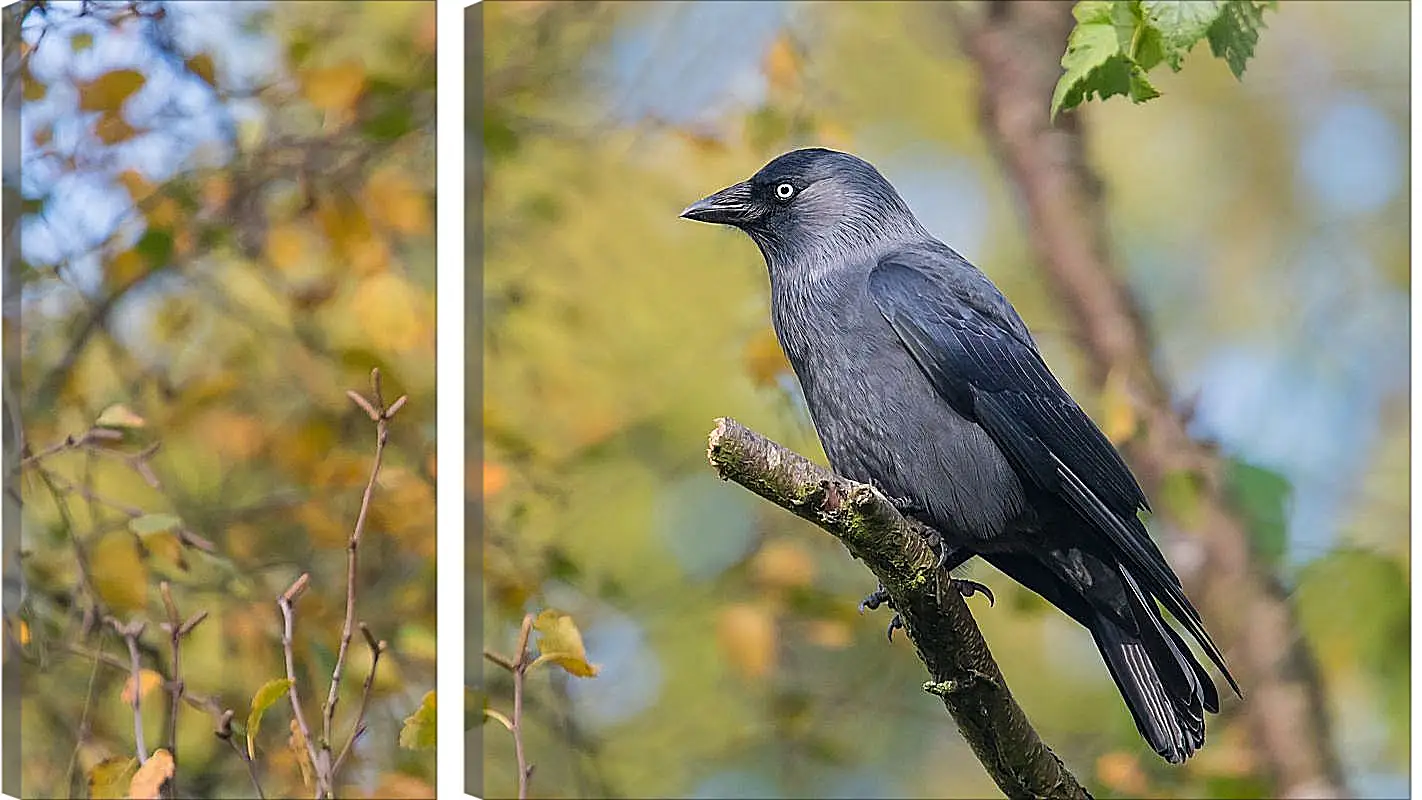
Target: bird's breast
x=881 y=421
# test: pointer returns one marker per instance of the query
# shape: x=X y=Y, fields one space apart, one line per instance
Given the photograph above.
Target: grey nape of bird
x=922 y=379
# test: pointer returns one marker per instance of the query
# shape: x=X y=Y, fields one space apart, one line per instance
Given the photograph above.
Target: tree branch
x=381 y=415
x=935 y=617
x=1016 y=47
x=284 y=602
x=130 y=633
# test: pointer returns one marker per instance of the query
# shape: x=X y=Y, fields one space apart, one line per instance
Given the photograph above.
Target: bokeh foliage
x=732 y=660
x=227 y=223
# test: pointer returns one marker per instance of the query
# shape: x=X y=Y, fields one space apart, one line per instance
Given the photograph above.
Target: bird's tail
x=1165 y=688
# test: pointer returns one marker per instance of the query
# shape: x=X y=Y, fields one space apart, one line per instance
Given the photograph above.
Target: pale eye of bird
x=784 y=191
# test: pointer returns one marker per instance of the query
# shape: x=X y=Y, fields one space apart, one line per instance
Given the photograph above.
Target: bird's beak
x=730 y=206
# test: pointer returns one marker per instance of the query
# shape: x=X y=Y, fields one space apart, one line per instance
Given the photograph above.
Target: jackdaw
x=922 y=380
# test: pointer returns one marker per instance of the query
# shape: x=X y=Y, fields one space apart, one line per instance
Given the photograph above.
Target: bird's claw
x=906 y=506
x=897 y=623
x=968 y=588
x=874 y=599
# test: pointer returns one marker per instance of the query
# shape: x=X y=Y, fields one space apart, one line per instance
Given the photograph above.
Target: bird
x=922 y=380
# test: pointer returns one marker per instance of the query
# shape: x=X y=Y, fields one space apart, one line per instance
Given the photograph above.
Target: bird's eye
x=784 y=191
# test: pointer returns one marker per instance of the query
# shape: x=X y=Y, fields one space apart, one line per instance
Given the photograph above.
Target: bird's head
x=810 y=201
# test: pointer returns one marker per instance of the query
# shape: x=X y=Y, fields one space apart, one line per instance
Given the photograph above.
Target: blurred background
x=226 y=221
x=1262 y=224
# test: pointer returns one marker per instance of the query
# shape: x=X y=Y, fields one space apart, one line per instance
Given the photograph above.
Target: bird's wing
x=978 y=356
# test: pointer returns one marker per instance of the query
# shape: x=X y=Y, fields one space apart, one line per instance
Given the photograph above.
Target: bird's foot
x=907 y=506
x=895 y=624
x=968 y=588
x=874 y=599
x=939 y=548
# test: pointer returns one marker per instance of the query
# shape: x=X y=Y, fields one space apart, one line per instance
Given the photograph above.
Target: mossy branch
x=935 y=616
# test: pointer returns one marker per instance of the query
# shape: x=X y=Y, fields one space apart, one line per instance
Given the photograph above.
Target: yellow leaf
x=167 y=552
x=831 y=634
x=163 y=213
x=108 y=779
x=367 y=254
x=112 y=128
x=296 y=743
x=108 y=91
x=1119 y=420
x=270 y=692
x=418 y=732
x=495 y=478
x=764 y=359
x=286 y=246
x=784 y=564
x=216 y=191
x=148 y=782
x=834 y=136
x=1122 y=773
x=334 y=88
x=32 y=90
x=125 y=268
x=119 y=415
x=201 y=65
x=120 y=576
x=392 y=312
x=747 y=637
x=425 y=28
x=148 y=680
x=22 y=632
x=782 y=65
x=322 y=528
x=139 y=187
x=232 y=435
x=402 y=786
x=396 y=202
x=560 y=640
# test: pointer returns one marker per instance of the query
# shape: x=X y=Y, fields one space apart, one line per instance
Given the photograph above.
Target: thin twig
x=130 y=634
x=224 y=731
x=284 y=602
x=376 y=648
x=525 y=770
x=83 y=732
x=176 y=629
x=380 y=414
x=71 y=442
x=500 y=660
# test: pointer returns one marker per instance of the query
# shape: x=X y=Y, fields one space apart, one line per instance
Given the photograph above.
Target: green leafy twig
x=1116 y=42
x=560 y=643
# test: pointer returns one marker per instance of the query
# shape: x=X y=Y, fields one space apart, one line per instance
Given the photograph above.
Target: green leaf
x=153 y=523
x=1180 y=497
x=418 y=732
x=1100 y=58
x=156 y=246
x=1235 y=33
x=108 y=779
x=1114 y=44
x=476 y=703
x=119 y=416
x=80 y=42
x=1180 y=24
x=1262 y=497
x=271 y=691
x=390 y=124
